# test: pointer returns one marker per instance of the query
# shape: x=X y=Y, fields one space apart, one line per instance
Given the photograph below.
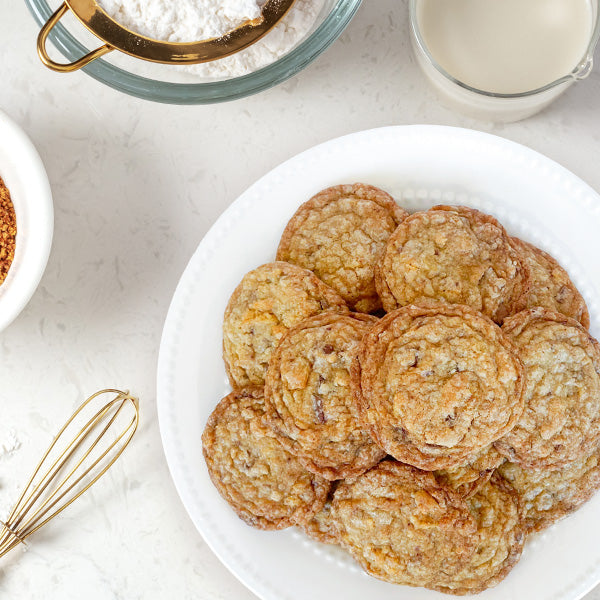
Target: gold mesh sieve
x=117 y=37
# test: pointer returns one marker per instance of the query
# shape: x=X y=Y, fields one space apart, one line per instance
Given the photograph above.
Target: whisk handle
x=64 y=67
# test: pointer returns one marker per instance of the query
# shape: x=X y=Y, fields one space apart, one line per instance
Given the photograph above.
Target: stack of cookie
x=419 y=389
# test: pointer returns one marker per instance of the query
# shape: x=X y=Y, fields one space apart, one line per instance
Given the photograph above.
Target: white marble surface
x=136 y=186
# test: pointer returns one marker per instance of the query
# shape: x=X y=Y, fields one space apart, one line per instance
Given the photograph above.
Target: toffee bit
x=8 y=231
x=562 y=294
x=318 y=408
x=401 y=434
x=327 y=349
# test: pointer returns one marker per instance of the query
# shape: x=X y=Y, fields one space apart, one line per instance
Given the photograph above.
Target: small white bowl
x=24 y=175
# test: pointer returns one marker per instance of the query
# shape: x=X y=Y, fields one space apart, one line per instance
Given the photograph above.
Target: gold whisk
x=75 y=460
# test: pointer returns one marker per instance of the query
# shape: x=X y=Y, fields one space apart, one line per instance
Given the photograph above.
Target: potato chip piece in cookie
x=471 y=476
x=550 y=495
x=455 y=254
x=267 y=302
x=266 y=486
x=321 y=527
x=339 y=234
x=550 y=285
x=561 y=420
x=309 y=397
x=437 y=384
x=500 y=538
x=403 y=526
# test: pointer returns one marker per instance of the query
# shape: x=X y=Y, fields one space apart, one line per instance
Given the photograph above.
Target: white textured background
x=136 y=185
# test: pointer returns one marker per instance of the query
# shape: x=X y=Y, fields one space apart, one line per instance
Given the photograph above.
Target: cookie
x=455 y=254
x=550 y=285
x=266 y=486
x=309 y=398
x=500 y=538
x=437 y=384
x=267 y=302
x=470 y=477
x=561 y=420
x=339 y=234
x=321 y=527
x=403 y=526
x=550 y=495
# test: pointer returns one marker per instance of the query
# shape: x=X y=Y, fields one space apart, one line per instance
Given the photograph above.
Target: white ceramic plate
x=420 y=165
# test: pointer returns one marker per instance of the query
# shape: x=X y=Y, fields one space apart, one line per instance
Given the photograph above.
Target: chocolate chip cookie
x=456 y=254
x=267 y=302
x=403 y=526
x=309 y=397
x=500 y=539
x=266 y=486
x=339 y=234
x=550 y=495
x=550 y=285
x=561 y=420
x=437 y=384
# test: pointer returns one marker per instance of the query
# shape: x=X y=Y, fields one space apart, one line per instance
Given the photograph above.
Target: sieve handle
x=64 y=67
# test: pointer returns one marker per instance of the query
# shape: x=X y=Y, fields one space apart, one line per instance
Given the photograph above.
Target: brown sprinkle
x=8 y=231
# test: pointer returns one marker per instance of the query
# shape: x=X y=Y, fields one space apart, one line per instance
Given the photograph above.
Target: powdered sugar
x=9 y=443
x=194 y=20
x=182 y=20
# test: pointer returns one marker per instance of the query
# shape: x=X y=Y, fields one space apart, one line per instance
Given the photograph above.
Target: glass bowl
x=169 y=84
